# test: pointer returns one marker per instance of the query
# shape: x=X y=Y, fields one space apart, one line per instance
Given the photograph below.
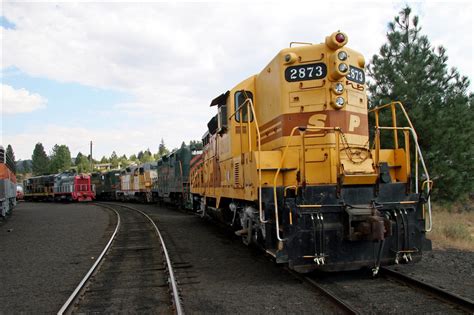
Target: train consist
x=65 y=186
x=7 y=184
x=288 y=164
x=164 y=181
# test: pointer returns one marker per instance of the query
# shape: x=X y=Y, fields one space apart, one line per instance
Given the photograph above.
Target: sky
x=126 y=75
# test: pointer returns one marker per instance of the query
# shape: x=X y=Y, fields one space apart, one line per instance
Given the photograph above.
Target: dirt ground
x=45 y=251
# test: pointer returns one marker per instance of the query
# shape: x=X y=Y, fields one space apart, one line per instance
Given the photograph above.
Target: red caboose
x=73 y=187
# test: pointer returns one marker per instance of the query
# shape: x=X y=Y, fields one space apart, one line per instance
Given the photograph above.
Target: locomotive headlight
x=338 y=88
x=340 y=101
x=342 y=55
x=342 y=67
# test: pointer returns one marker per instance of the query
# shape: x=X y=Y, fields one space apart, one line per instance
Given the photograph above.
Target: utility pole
x=91 y=157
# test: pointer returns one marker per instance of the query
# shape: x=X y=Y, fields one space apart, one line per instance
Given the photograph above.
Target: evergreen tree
x=410 y=70
x=40 y=161
x=140 y=156
x=162 y=150
x=195 y=145
x=60 y=159
x=114 y=160
x=123 y=161
x=10 y=155
x=104 y=160
x=146 y=156
x=26 y=167
x=82 y=163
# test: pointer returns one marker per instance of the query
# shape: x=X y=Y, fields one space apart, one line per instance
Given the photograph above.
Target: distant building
x=103 y=166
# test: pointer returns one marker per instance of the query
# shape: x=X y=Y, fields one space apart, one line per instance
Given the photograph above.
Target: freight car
x=106 y=184
x=73 y=187
x=7 y=184
x=172 y=184
x=137 y=182
x=287 y=163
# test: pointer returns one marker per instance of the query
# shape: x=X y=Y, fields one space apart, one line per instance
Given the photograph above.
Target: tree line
x=60 y=159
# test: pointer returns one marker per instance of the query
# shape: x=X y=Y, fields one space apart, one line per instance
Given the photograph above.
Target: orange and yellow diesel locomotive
x=288 y=163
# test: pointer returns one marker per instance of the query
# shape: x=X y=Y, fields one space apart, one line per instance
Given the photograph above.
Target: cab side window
x=240 y=98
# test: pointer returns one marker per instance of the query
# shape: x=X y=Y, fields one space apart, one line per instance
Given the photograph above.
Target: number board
x=356 y=75
x=306 y=72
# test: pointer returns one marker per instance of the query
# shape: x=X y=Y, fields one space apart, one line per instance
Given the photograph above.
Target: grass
x=452 y=228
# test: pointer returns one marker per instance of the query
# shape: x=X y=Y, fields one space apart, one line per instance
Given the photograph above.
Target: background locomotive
x=73 y=187
x=106 y=184
x=288 y=163
x=136 y=183
x=173 y=177
x=7 y=184
x=63 y=186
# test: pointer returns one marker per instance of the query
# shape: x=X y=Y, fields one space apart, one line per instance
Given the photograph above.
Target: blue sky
x=95 y=104
x=126 y=75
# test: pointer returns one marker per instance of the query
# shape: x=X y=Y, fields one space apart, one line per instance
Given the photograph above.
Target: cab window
x=240 y=98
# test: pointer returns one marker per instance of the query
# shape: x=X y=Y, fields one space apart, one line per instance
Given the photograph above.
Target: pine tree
x=162 y=150
x=39 y=160
x=140 y=155
x=82 y=163
x=104 y=160
x=195 y=145
x=145 y=156
x=114 y=160
x=60 y=159
x=410 y=70
x=26 y=167
x=10 y=155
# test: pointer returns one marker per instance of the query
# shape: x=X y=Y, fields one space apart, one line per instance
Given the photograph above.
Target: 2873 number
x=306 y=72
x=356 y=75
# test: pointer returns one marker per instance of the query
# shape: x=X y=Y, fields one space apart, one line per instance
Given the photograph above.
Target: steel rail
x=86 y=278
x=343 y=305
x=172 y=281
x=449 y=297
x=346 y=307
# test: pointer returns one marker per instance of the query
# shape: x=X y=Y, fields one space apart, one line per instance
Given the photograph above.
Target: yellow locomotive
x=287 y=162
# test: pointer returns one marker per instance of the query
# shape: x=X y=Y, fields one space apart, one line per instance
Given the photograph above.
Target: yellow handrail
x=418 y=154
x=302 y=130
x=249 y=103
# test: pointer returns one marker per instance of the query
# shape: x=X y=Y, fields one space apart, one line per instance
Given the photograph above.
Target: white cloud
x=173 y=58
x=15 y=101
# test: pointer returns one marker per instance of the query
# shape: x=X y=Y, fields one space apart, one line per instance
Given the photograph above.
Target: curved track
x=132 y=274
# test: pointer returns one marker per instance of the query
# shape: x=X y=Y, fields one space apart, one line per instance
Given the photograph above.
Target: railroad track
x=437 y=292
x=133 y=274
x=353 y=303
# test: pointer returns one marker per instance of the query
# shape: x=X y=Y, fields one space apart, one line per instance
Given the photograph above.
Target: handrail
x=249 y=103
x=418 y=154
x=428 y=180
x=302 y=130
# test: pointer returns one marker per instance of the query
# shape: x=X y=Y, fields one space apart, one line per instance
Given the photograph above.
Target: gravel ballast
x=45 y=250
x=217 y=274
